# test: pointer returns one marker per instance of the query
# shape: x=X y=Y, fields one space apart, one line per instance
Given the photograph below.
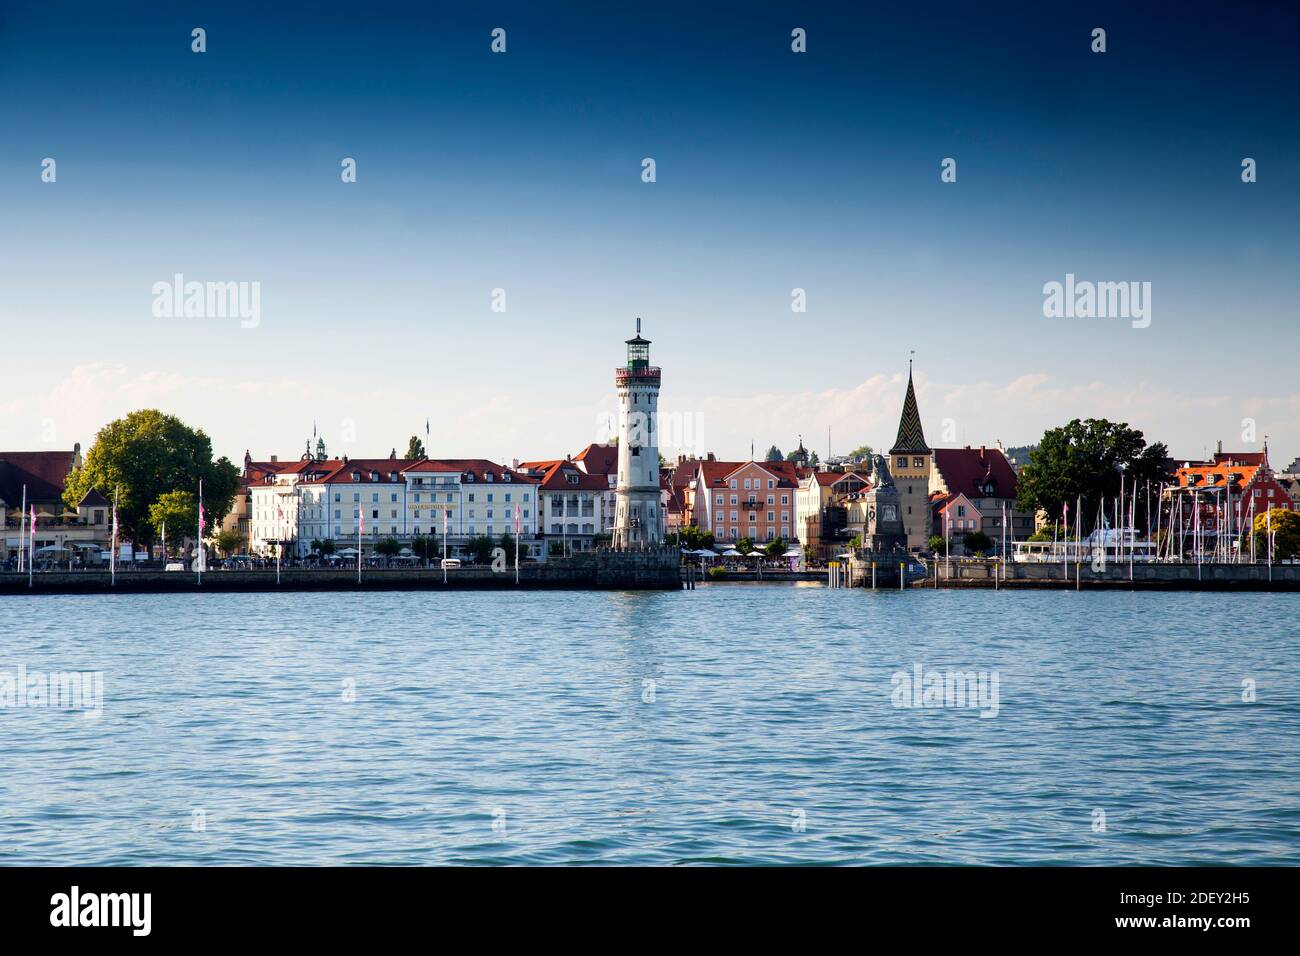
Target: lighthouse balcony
x=640 y=376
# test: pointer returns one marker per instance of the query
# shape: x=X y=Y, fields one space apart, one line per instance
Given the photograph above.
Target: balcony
x=641 y=376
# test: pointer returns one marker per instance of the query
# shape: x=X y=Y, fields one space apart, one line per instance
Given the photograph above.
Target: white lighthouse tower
x=638 y=514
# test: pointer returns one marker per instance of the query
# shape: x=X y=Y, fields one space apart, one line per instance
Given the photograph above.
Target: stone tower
x=910 y=459
x=638 y=514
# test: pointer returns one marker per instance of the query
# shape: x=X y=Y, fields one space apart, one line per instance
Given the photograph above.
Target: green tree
x=861 y=452
x=388 y=547
x=146 y=455
x=480 y=549
x=693 y=537
x=323 y=546
x=813 y=460
x=1286 y=534
x=425 y=546
x=415 y=448
x=178 y=511
x=855 y=541
x=229 y=541
x=775 y=548
x=937 y=543
x=978 y=543
x=774 y=454
x=1085 y=459
x=745 y=546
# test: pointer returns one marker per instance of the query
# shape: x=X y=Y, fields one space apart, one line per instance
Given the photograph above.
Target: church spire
x=911 y=438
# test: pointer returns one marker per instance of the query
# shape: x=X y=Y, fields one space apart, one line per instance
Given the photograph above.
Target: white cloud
x=505 y=420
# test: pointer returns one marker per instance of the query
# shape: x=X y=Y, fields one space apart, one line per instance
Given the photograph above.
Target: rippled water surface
x=524 y=728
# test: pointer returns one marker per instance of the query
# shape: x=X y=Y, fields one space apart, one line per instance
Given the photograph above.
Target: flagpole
x=198 y=544
x=361 y=524
x=1268 y=535
x=22 y=533
x=445 y=515
x=31 y=550
x=112 y=544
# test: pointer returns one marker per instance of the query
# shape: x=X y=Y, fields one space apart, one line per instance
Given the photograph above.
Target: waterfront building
x=985 y=478
x=955 y=516
x=909 y=460
x=576 y=497
x=65 y=532
x=1226 y=491
x=638 y=509
x=401 y=498
x=823 y=502
x=576 y=509
x=746 y=499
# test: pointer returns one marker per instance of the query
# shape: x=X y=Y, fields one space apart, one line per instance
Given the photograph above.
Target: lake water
x=524 y=728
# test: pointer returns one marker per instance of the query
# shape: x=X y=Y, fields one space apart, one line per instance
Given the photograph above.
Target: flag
x=32 y=530
x=426 y=428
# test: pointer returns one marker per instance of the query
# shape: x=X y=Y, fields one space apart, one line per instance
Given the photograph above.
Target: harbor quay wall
x=648 y=570
x=1115 y=576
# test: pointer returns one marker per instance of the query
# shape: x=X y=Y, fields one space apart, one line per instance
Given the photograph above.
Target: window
x=394 y=498
x=902 y=463
x=374 y=498
x=733 y=500
x=918 y=462
x=733 y=484
x=771 y=484
x=785 y=499
x=375 y=514
x=356 y=497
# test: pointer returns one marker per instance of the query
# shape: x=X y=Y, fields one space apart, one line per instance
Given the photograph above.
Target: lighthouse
x=638 y=514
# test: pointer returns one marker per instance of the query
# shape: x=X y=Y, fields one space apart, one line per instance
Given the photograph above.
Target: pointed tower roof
x=910 y=438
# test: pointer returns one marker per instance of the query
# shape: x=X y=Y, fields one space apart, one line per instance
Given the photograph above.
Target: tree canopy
x=774 y=454
x=178 y=511
x=1285 y=526
x=1085 y=459
x=415 y=448
x=145 y=455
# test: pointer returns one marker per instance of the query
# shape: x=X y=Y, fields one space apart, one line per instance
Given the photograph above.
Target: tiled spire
x=911 y=438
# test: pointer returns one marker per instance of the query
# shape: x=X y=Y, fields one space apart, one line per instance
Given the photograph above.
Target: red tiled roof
x=599 y=459
x=557 y=478
x=718 y=472
x=1246 y=474
x=967 y=470
x=51 y=467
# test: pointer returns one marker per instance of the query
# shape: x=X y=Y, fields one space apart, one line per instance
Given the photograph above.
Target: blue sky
x=522 y=171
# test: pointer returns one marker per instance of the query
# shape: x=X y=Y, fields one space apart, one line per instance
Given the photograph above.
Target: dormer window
x=573 y=479
x=988 y=487
x=356 y=476
x=469 y=476
x=374 y=476
x=505 y=476
x=392 y=476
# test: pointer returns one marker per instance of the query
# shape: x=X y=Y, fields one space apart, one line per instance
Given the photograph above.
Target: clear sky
x=522 y=171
